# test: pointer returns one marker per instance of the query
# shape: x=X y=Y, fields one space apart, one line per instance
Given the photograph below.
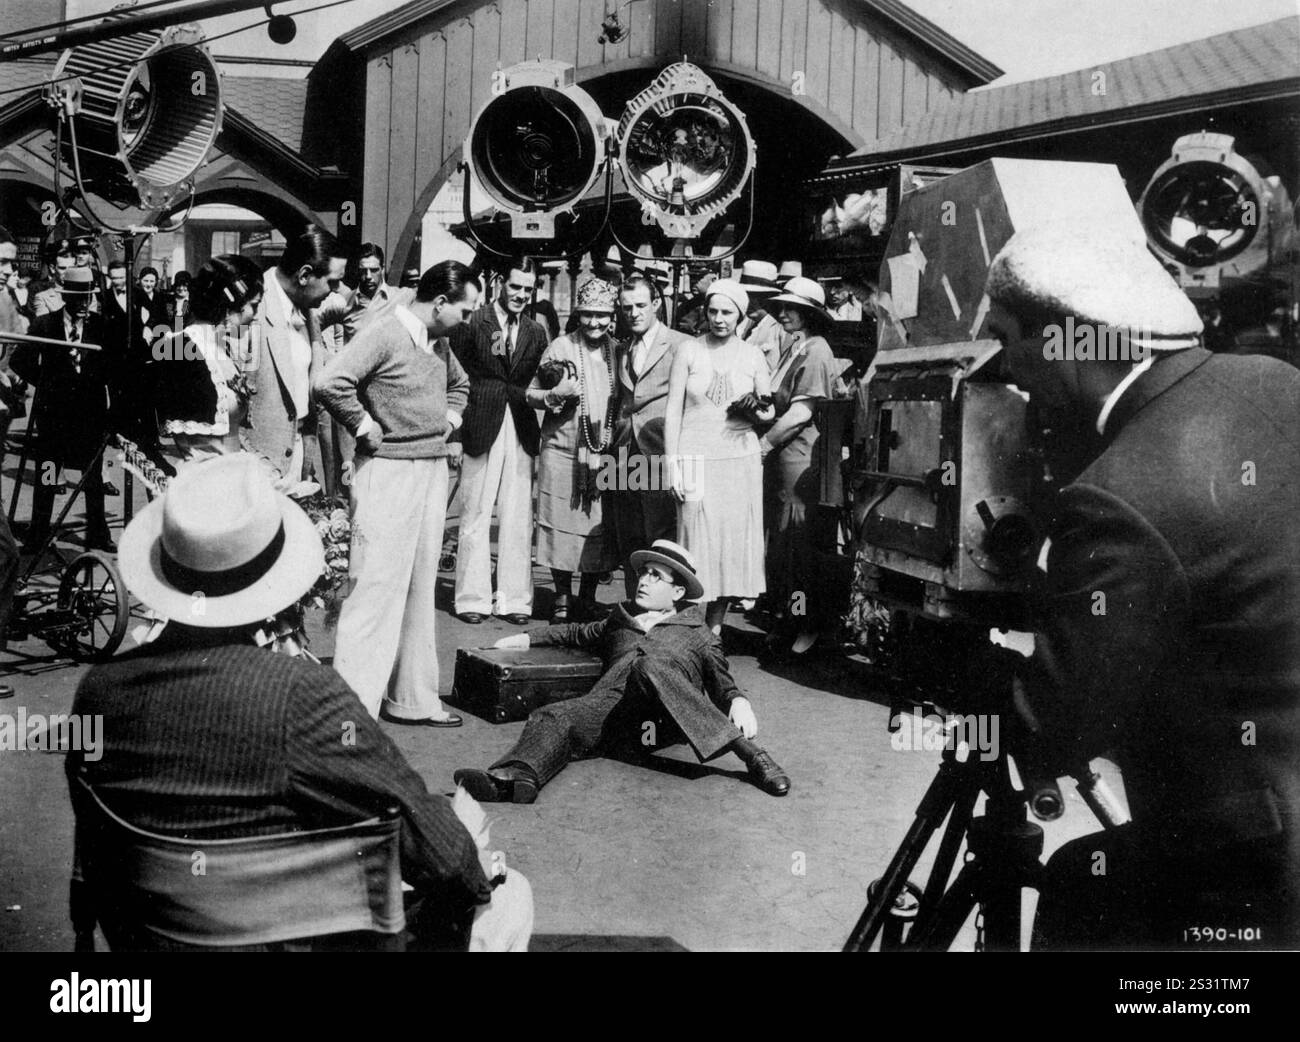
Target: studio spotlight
x=537 y=148
x=684 y=150
x=1212 y=215
x=141 y=112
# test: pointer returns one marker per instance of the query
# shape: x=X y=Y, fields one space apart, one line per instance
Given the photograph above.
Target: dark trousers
x=628 y=708
x=639 y=518
x=1111 y=890
x=337 y=452
x=43 y=497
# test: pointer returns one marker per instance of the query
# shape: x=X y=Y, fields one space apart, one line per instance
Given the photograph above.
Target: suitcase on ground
x=505 y=684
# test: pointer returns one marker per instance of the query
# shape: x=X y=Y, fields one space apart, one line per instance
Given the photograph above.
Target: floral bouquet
x=868 y=620
x=334 y=526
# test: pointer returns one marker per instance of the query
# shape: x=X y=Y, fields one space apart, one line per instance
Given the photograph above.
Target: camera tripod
x=1003 y=847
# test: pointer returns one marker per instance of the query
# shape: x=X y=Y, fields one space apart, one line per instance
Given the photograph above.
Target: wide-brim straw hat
x=221 y=547
x=675 y=558
x=806 y=294
x=1100 y=276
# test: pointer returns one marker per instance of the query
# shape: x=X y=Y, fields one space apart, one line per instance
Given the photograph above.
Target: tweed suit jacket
x=210 y=738
x=271 y=414
x=497 y=379
x=643 y=400
x=1170 y=610
x=683 y=637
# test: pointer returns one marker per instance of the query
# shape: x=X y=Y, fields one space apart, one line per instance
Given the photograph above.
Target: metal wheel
x=93 y=593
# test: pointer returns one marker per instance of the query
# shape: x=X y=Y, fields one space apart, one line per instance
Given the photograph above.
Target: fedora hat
x=221 y=547
x=805 y=293
x=78 y=280
x=676 y=559
x=759 y=277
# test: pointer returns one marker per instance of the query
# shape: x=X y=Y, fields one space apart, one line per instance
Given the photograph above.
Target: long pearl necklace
x=584 y=413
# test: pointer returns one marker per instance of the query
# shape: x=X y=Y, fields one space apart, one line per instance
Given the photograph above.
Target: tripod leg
x=953 y=837
x=938 y=800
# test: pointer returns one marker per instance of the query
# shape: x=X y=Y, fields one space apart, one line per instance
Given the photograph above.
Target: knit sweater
x=406 y=390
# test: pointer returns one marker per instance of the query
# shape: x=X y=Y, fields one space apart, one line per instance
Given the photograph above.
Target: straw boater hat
x=676 y=559
x=731 y=289
x=221 y=547
x=803 y=293
x=790 y=270
x=596 y=295
x=1100 y=276
x=759 y=278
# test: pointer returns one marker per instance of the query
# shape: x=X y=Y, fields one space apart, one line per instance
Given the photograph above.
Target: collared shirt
x=508 y=328
x=1112 y=399
x=344 y=318
x=299 y=345
x=648 y=620
x=420 y=337
x=640 y=348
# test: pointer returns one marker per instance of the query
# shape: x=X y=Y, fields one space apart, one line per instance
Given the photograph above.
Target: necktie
x=512 y=332
x=75 y=337
x=639 y=353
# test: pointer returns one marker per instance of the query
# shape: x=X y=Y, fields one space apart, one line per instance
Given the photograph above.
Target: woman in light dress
x=718 y=389
x=571 y=532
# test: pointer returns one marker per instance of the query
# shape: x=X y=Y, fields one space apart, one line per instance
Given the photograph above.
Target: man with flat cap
x=1168 y=619
x=662 y=665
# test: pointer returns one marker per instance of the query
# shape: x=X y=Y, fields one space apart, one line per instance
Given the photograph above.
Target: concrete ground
x=678 y=856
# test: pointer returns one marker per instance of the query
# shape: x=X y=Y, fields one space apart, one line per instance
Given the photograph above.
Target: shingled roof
x=276 y=104
x=1257 y=62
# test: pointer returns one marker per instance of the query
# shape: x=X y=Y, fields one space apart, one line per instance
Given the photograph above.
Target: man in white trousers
x=400 y=391
x=500 y=348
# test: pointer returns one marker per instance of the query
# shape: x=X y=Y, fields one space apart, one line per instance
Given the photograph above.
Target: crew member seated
x=207 y=736
x=661 y=661
x=1168 y=628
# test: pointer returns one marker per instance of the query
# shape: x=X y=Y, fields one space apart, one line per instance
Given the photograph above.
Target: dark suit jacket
x=71 y=407
x=684 y=638
x=1170 y=613
x=496 y=381
x=214 y=739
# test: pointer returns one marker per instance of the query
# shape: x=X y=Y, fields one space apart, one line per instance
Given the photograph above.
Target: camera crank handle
x=1099 y=798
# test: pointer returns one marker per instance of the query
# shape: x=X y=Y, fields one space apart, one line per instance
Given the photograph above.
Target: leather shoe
x=472 y=617
x=518 y=618
x=767 y=775
x=6 y=691
x=101 y=541
x=499 y=785
x=111 y=490
x=451 y=720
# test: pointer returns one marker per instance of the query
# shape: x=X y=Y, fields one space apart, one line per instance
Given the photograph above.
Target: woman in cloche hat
x=718 y=389
x=571 y=534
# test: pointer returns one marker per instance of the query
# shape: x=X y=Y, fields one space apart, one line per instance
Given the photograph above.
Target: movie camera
x=951 y=479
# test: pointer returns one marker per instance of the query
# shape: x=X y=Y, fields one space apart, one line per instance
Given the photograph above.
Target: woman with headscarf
x=798 y=529
x=718 y=390
x=574 y=384
x=198 y=388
